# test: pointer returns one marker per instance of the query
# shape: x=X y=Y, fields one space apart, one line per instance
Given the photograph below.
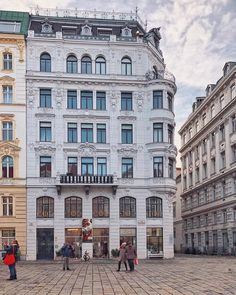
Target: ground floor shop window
x=154 y=240
x=6 y=237
x=101 y=242
x=128 y=235
x=74 y=237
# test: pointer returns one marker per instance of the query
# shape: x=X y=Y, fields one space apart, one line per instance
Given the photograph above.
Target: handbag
x=9 y=259
x=136 y=261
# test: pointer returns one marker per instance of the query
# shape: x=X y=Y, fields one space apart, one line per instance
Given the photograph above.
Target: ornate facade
x=100 y=141
x=13 y=28
x=208 y=156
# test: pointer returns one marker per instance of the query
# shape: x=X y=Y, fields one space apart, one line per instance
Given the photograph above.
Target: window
x=126 y=101
x=86 y=132
x=45 y=98
x=184 y=138
x=223 y=188
x=215 y=217
x=222 y=102
x=72 y=132
x=205 y=195
x=157 y=132
x=197 y=152
x=222 y=160
x=213 y=192
x=72 y=166
x=233 y=148
x=7 y=167
x=7 y=94
x=127 y=207
x=197 y=126
x=71 y=64
x=127 y=168
x=7 y=206
x=212 y=111
x=206 y=219
x=101 y=101
x=100 y=207
x=45 y=166
x=7 y=236
x=45 y=207
x=224 y=212
x=101 y=166
x=174 y=209
x=45 y=131
x=222 y=132
x=73 y=207
x=127 y=133
x=184 y=162
x=45 y=62
x=204 y=146
x=158 y=167
x=7 y=61
x=158 y=99
x=233 y=118
x=87 y=166
x=204 y=170
x=100 y=65
x=7 y=131
x=232 y=91
x=197 y=175
x=170 y=134
x=171 y=168
x=170 y=101
x=190 y=179
x=154 y=207
x=126 y=66
x=10 y=27
x=190 y=132
x=184 y=182
x=101 y=133
x=190 y=157
x=86 y=65
x=204 y=119
x=86 y=100
x=213 y=165
x=71 y=99
x=213 y=139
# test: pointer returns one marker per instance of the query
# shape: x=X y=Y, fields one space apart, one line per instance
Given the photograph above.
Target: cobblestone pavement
x=182 y=275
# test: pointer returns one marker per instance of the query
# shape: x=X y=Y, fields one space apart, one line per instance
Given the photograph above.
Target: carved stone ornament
x=10 y=149
x=126 y=32
x=139 y=99
x=46 y=27
x=58 y=92
x=127 y=151
x=44 y=149
x=86 y=30
x=172 y=149
x=149 y=75
x=169 y=198
x=114 y=98
x=87 y=149
x=21 y=46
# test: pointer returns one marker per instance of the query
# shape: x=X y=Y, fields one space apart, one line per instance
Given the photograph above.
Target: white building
x=100 y=128
x=208 y=156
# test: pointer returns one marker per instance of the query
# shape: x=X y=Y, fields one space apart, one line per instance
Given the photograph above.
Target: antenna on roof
x=146 y=23
x=136 y=12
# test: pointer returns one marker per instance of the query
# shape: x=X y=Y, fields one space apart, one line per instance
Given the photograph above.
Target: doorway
x=45 y=243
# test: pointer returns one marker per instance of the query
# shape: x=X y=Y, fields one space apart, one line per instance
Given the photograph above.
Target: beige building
x=13 y=27
x=208 y=155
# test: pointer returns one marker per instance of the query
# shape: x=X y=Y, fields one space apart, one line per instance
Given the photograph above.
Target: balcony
x=86 y=179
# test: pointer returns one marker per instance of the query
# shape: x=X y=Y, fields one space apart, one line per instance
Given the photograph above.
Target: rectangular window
x=127 y=168
x=174 y=209
x=204 y=119
x=222 y=132
x=197 y=126
x=127 y=133
x=10 y=27
x=45 y=131
x=101 y=133
x=190 y=157
x=212 y=111
x=45 y=166
x=170 y=101
x=213 y=192
x=171 y=168
x=72 y=132
x=233 y=148
x=197 y=175
x=71 y=99
x=213 y=139
x=204 y=170
x=190 y=132
x=126 y=101
x=204 y=146
x=72 y=166
x=222 y=102
x=154 y=240
x=213 y=166
x=158 y=167
x=6 y=237
x=87 y=132
x=87 y=166
x=233 y=92
x=157 y=132
x=101 y=166
x=215 y=217
x=86 y=100
x=222 y=160
x=197 y=152
x=45 y=98
x=233 y=118
x=223 y=188
x=190 y=179
x=225 y=219
x=158 y=99
x=7 y=94
x=170 y=134
x=7 y=61
x=7 y=131
x=7 y=206
x=101 y=101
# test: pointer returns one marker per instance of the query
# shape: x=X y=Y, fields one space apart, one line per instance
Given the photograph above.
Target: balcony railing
x=86 y=179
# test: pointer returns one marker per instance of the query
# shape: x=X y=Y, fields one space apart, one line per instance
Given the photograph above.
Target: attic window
x=69 y=31
x=104 y=31
x=126 y=32
x=10 y=27
x=86 y=30
x=46 y=28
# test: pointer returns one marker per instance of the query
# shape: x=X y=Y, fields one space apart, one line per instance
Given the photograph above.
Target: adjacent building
x=100 y=143
x=13 y=28
x=208 y=155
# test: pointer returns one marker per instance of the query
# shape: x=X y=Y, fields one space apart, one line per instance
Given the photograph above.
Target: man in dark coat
x=131 y=255
x=66 y=251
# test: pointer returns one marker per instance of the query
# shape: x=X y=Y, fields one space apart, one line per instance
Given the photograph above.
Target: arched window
x=86 y=65
x=100 y=207
x=72 y=64
x=45 y=207
x=126 y=66
x=100 y=65
x=7 y=61
x=73 y=207
x=154 y=207
x=127 y=207
x=45 y=62
x=7 y=167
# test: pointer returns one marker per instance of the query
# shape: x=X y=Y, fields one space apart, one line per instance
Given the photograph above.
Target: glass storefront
x=6 y=237
x=128 y=235
x=74 y=237
x=101 y=242
x=154 y=240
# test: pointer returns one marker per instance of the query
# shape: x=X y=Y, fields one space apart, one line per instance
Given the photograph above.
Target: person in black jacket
x=12 y=268
x=66 y=251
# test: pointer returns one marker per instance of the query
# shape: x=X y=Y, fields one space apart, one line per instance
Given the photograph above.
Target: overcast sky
x=198 y=37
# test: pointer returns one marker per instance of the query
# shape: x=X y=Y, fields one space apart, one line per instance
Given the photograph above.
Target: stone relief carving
x=114 y=99
x=21 y=46
x=126 y=32
x=139 y=99
x=7 y=148
x=86 y=149
x=44 y=149
x=46 y=27
x=59 y=92
x=172 y=149
x=169 y=197
x=30 y=94
x=127 y=151
x=86 y=30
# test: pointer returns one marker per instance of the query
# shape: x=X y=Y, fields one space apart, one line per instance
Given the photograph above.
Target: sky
x=198 y=37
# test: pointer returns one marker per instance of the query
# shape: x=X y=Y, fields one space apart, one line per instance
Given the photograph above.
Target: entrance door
x=215 y=242
x=45 y=243
x=225 y=242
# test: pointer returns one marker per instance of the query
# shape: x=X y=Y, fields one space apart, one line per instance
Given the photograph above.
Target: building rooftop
x=14 y=22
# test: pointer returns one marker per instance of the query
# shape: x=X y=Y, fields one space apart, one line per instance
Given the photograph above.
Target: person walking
x=131 y=255
x=66 y=251
x=16 y=246
x=10 y=256
x=122 y=256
